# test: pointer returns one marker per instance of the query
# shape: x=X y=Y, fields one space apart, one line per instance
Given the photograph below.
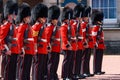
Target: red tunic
x=55 y=44
x=14 y=47
x=90 y=40
x=73 y=36
x=0 y=40
x=28 y=43
x=42 y=44
x=83 y=27
x=81 y=35
x=98 y=38
x=64 y=37
x=4 y=32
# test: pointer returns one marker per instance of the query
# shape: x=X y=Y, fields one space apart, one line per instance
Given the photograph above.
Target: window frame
x=108 y=20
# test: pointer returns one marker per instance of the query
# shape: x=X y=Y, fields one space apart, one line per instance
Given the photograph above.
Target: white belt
x=90 y=34
x=43 y=40
x=30 y=39
x=80 y=37
x=57 y=39
x=15 y=38
x=83 y=30
x=73 y=38
x=102 y=38
x=94 y=33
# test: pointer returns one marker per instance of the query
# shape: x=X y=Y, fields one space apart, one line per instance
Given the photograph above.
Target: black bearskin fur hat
x=1 y=6
x=97 y=16
x=40 y=10
x=87 y=11
x=10 y=7
x=53 y=12
x=78 y=10
x=67 y=13
x=23 y=11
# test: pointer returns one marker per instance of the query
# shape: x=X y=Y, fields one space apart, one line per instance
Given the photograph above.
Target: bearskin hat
x=23 y=11
x=67 y=13
x=87 y=11
x=40 y=10
x=1 y=6
x=97 y=16
x=53 y=12
x=10 y=7
x=78 y=10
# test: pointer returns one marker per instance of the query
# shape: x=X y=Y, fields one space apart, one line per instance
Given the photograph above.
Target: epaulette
x=36 y=23
x=64 y=23
x=75 y=22
x=49 y=24
x=5 y=23
x=21 y=24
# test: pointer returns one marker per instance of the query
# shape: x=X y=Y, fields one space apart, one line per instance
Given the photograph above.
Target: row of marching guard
x=35 y=38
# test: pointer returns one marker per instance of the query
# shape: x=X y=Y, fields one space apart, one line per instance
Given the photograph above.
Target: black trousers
x=12 y=67
x=53 y=61
x=6 y=66
x=3 y=64
x=34 y=67
x=86 y=61
x=26 y=66
x=67 y=65
x=78 y=62
x=41 y=66
x=98 y=57
x=19 y=66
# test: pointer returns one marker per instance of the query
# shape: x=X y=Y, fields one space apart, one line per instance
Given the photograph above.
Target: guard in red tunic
x=78 y=14
x=25 y=40
x=98 y=41
x=67 y=43
x=40 y=13
x=88 y=44
x=1 y=11
x=9 y=41
x=53 y=38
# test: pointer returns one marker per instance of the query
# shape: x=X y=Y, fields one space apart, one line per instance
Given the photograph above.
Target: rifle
x=69 y=32
x=98 y=36
x=40 y=34
x=78 y=26
x=99 y=33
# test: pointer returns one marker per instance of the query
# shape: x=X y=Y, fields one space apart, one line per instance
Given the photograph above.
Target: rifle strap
x=10 y=34
x=41 y=32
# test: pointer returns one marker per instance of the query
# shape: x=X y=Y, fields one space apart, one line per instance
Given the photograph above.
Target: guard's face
x=27 y=19
x=55 y=21
x=11 y=17
x=86 y=19
x=43 y=20
x=80 y=20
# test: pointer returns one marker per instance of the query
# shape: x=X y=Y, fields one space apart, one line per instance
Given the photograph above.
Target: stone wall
x=112 y=47
x=112 y=40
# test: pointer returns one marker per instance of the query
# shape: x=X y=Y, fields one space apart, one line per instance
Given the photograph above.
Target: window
x=108 y=7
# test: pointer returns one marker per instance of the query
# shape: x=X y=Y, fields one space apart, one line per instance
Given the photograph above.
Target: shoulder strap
x=41 y=32
x=99 y=33
x=10 y=34
x=53 y=33
x=69 y=32
x=87 y=30
x=26 y=33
